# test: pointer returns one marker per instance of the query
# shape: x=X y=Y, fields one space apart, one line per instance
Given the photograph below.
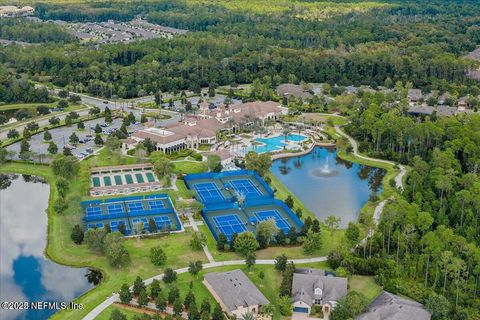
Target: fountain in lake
x=324 y=171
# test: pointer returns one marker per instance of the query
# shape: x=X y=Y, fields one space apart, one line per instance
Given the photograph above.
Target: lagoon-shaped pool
x=327 y=185
x=275 y=143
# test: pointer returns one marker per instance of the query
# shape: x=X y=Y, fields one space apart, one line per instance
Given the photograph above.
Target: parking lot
x=60 y=136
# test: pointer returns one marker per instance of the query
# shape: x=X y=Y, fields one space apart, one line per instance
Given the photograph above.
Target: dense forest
x=17 y=90
x=33 y=32
x=432 y=232
x=420 y=43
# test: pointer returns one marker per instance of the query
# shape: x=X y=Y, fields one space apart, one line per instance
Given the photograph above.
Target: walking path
x=116 y=298
x=398 y=177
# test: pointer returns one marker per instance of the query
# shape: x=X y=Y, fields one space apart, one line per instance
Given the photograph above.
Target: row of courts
x=125 y=179
x=155 y=211
x=237 y=201
x=228 y=186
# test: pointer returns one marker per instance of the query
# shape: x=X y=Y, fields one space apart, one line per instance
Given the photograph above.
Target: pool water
x=327 y=185
x=275 y=143
x=25 y=273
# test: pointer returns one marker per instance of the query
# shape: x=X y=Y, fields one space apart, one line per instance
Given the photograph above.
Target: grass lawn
x=329 y=242
x=182 y=189
x=7 y=107
x=205 y=147
x=365 y=285
x=187 y=167
x=62 y=250
x=130 y=313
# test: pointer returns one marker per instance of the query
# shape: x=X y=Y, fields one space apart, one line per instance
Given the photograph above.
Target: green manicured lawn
x=329 y=242
x=7 y=107
x=130 y=313
x=62 y=250
x=365 y=285
x=182 y=189
x=187 y=167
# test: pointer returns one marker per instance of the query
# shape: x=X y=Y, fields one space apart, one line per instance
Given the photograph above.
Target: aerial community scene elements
x=240 y=159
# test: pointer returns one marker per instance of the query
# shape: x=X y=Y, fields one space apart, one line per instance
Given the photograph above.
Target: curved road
x=398 y=178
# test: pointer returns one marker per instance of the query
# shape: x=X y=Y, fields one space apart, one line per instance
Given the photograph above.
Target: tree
x=281 y=262
x=312 y=242
x=245 y=243
x=350 y=306
x=63 y=94
x=195 y=267
x=250 y=260
x=289 y=201
x=189 y=299
x=155 y=289
x=66 y=167
x=143 y=118
x=285 y=305
x=315 y=225
x=52 y=148
x=280 y=237
x=47 y=136
x=149 y=145
x=438 y=305
x=97 y=129
x=13 y=134
x=54 y=121
x=98 y=140
x=115 y=251
x=332 y=223
x=108 y=115
x=80 y=125
x=205 y=307
x=169 y=275
x=214 y=163
x=24 y=146
x=218 y=313
x=259 y=163
x=198 y=240
x=67 y=152
x=160 y=302
x=152 y=225
x=73 y=139
x=173 y=295
x=177 y=307
x=117 y=315
x=138 y=286
x=164 y=170
x=292 y=235
x=352 y=233
x=125 y=294
x=221 y=242
x=142 y=298
x=77 y=234
x=266 y=230
x=157 y=256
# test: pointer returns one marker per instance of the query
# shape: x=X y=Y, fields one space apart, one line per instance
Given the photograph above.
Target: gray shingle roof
x=388 y=306
x=235 y=289
x=427 y=110
x=304 y=285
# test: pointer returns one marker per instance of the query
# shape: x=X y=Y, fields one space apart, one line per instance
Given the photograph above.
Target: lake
x=328 y=185
x=25 y=273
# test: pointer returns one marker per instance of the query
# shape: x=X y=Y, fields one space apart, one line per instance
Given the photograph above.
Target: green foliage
x=312 y=242
x=157 y=256
x=77 y=234
x=350 y=306
x=259 y=163
x=245 y=243
x=65 y=166
x=125 y=294
x=198 y=240
x=169 y=275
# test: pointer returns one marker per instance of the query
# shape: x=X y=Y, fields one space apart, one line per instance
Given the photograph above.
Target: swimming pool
x=275 y=143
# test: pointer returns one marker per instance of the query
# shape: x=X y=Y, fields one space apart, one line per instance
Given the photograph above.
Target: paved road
x=115 y=297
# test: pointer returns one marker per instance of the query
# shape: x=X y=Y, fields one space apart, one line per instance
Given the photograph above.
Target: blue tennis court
x=162 y=221
x=135 y=206
x=245 y=187
x=93 y=211
x=95 y=225
x=229 y=224
x=282 y=223
x=115 y=208
x=137 y=220
x=208 y=191
x=156 y=204
x=115 y=224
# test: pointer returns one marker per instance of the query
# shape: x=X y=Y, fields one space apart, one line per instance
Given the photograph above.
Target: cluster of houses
x=237 y=295
x=14 y=11
x=203 y=127
x=418 y=104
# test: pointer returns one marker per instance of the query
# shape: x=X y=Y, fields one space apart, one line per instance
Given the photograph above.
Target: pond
x=25 y=273
x=328 y=185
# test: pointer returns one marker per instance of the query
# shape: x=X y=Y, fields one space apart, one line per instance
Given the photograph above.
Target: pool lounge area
x=277 y=143
x=237 y=201
x=124 y=214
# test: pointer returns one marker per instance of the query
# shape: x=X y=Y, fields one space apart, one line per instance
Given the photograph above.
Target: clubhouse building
x=202 y=128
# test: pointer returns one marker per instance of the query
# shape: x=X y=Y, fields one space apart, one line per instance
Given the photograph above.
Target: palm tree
x=286 y=131
x=248 y=316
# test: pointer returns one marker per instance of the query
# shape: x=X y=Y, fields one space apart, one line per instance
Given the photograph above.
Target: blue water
x=25 y=273
x=274 y=143
x=328 y=185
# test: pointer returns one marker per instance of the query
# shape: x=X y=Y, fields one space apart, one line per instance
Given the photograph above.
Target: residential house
x=312 y=287
x=295 y=90
x=389 y=306
x=235 y=293
x=414 y=95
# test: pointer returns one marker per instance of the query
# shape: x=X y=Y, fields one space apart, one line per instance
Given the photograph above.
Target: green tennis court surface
x=96 y=182
x=129 y=179
x=118 y=180
x=139 y=177
x=107 y=181
x=150 y=177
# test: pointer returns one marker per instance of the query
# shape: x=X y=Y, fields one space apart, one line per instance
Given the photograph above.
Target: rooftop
x=235 y=289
